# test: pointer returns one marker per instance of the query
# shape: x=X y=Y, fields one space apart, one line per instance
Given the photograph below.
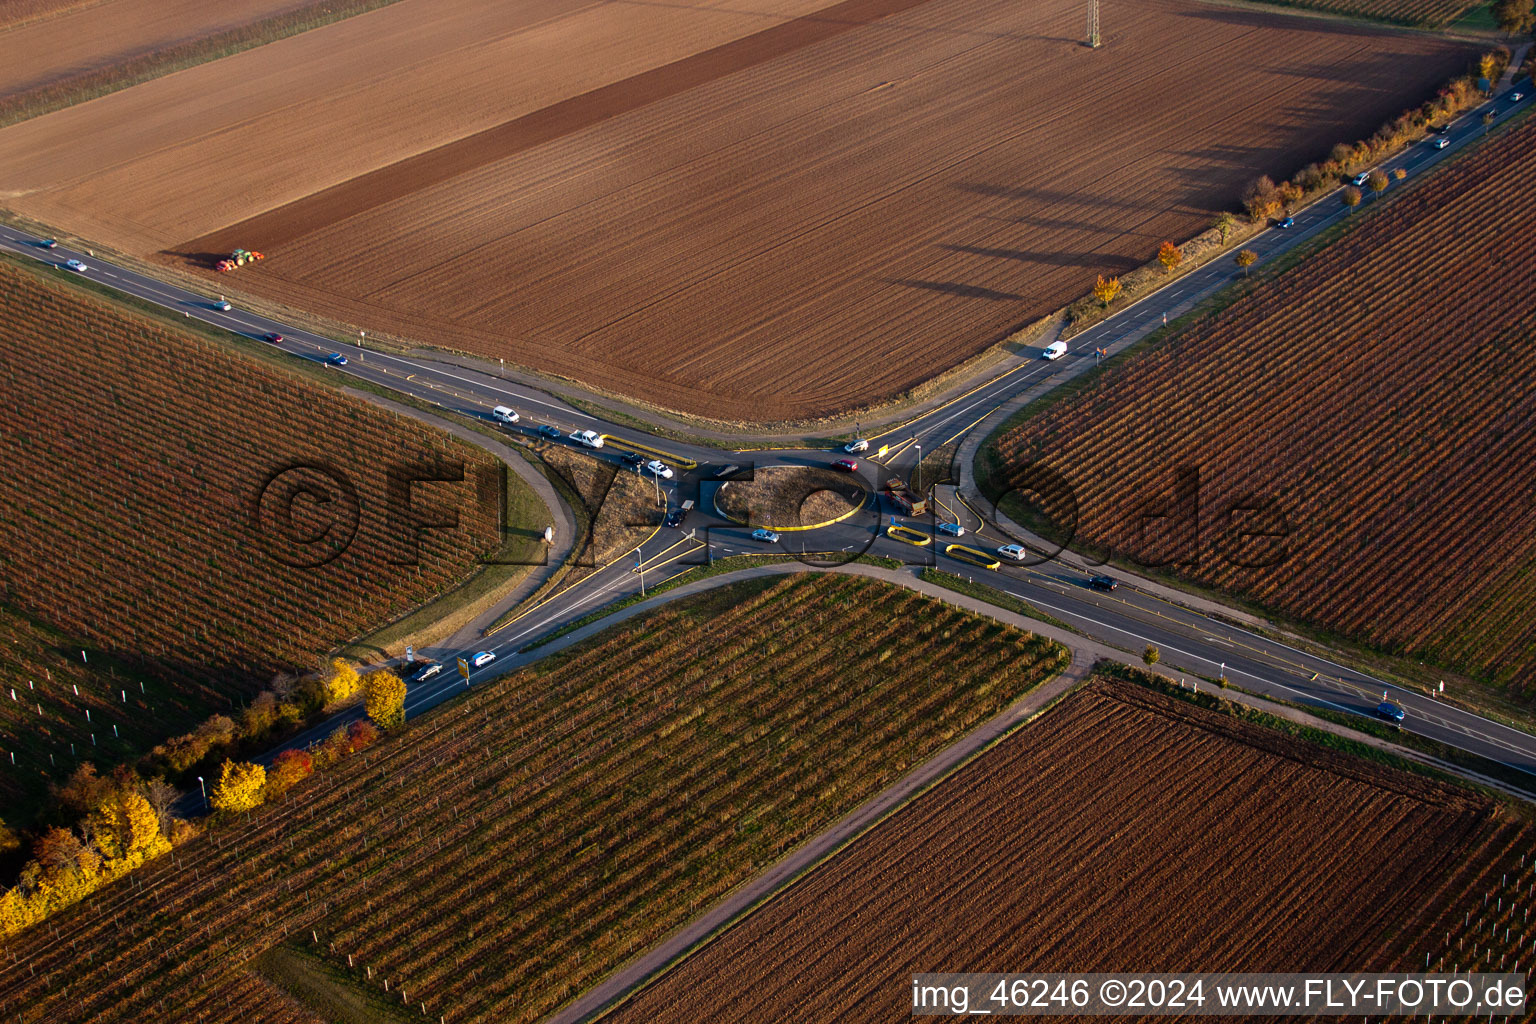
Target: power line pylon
x=1093 y=24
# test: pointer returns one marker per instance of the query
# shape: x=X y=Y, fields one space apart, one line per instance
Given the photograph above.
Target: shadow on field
x=1050 y=259
x=196 y=260
x=968 y=291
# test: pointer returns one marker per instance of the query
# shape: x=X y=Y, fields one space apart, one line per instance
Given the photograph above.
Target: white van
x=502 y=414
x=1012 y=552
x=1055 y=350
x=590 y=438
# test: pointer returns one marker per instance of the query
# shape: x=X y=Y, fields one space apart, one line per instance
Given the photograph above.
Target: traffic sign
x=464 y=668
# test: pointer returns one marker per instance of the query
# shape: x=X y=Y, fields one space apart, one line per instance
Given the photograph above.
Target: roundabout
x=791 y=498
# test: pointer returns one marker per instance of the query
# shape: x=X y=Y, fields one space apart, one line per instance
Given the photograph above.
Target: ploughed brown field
x=1124 y=831
x=753 y=211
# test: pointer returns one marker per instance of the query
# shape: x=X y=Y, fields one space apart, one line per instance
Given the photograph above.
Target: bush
x=1151 y=655
x=288 y=769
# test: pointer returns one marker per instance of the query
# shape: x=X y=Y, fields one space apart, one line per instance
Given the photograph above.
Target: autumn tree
x=10 y=842
x=1488 y=65
x=1151 y=655
x=124 y=824
x=1245 y=259
x=1170 y=256
x=1377 y=182
x=1399 y=174
x=1106 y=291
x=288 y=769
x=1514 y=16
x=1351 y=196
x=341 y=682
x=385 y=702
x=1261 y=198
x=1224 y=225
x=239 y=786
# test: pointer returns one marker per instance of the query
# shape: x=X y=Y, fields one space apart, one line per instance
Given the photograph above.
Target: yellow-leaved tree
x=126 y=824
x=341 y=682
x=1170 y=256
x=386 y=699
x=1106 y=289
x=239 y=787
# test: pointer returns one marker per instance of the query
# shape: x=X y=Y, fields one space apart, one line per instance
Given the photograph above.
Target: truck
x=909 y=501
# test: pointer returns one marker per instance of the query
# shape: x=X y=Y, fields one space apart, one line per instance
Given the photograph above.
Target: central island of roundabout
x=789 y=498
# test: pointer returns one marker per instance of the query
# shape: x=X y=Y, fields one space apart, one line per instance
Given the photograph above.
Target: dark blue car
x=336 y=359
x=1387 y=711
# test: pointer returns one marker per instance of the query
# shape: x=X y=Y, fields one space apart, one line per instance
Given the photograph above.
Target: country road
x=1140 y=612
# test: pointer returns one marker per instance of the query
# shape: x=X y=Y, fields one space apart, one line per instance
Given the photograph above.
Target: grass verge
x=328 y=990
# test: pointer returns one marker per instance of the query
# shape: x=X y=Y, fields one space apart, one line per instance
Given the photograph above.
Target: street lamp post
x=918 y=470
x=206 y=805
x=640 y=568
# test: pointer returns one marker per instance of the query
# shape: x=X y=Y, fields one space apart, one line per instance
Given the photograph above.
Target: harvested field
x=65 y=52
x=657 y=766
x=137 y=467
x=1372 y=406
x=756 y=213
x=1418 y=13
x=790 y=497
x=1123 y=831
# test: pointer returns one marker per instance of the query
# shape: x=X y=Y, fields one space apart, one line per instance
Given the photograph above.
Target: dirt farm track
x=758 y=210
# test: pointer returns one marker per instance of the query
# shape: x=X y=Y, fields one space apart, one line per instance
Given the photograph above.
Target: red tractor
x=238 y=258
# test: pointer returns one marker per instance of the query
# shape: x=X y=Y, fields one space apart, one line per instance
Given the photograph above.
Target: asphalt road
x=1128 y=618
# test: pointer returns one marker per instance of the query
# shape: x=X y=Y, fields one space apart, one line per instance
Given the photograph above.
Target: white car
x=432 y=668
x=1517 y=97
x=483 y=658
x=1361 y=178
x=1012 y=552
x=658 y=468
x=766 y=535
x=857 y=445
x=76 y=266
x=504 y=414
x=589 y=438
x=952 y=529
x=1442 y=143
x=223 y=306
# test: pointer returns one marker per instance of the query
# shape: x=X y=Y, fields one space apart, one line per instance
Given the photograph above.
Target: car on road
x=483 y=658
x=431 y=669
x=1517 y=97
x=1361 y=178
x=587 y=438
x=1442 y=143
x=550 y=431
x=505 y=414
x=336 y=359
x=1013 y=552
x=675 y=518
x=634 y=460
x=856 y=445
x=766 y=535
x=272 y=337
x=1055 y=350
x=49 y=243
x=1104 y=583
x=76 y=266
x=1389 y=712
x=1288 y=222
x=658 y=468
x=952 y=529
x=725 y=471
x=846 y=465
x=1441 y=129
x=223 y=306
